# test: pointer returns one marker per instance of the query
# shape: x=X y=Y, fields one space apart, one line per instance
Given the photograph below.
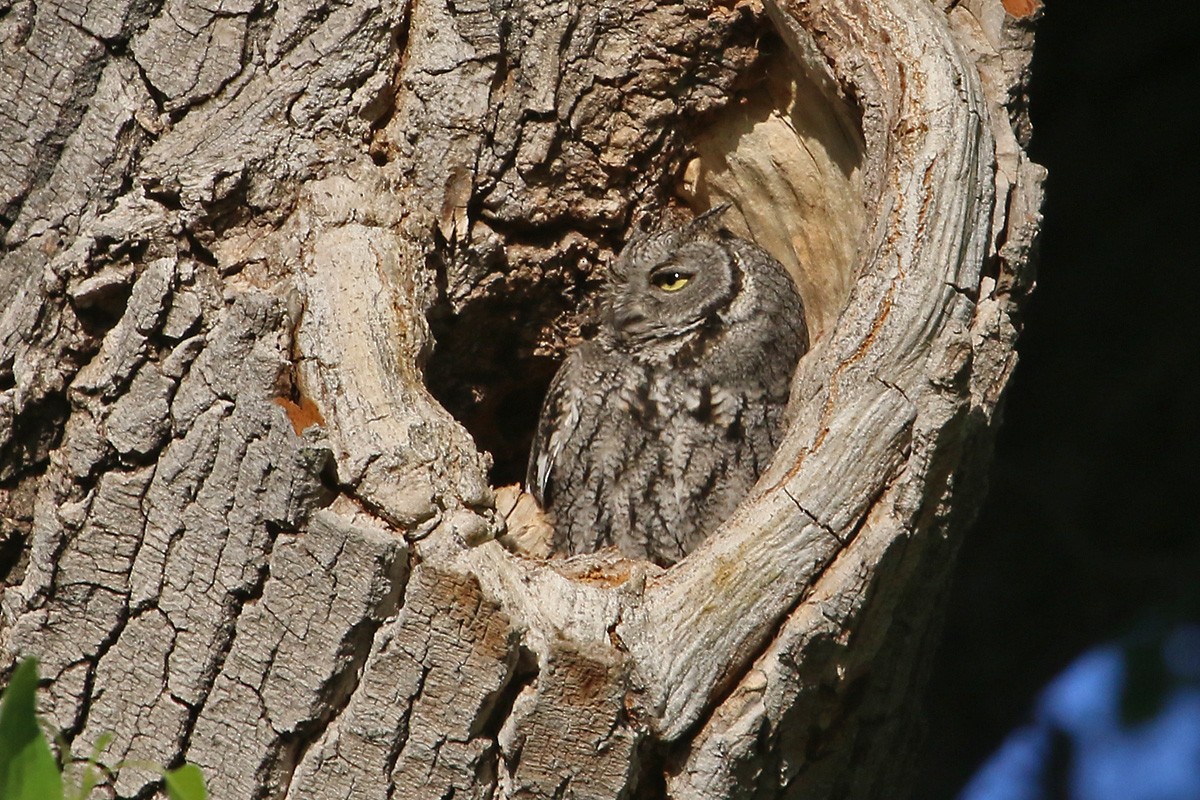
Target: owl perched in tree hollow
x=656 y=428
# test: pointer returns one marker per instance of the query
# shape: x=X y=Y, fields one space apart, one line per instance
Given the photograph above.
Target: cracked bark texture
x=282 y=283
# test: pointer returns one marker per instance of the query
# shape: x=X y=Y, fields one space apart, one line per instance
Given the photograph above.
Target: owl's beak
x=630 y=321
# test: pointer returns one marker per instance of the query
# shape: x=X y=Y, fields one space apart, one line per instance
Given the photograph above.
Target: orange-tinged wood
x=1022 y=8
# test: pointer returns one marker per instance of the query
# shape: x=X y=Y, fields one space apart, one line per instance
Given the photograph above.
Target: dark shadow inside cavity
x=490 y=369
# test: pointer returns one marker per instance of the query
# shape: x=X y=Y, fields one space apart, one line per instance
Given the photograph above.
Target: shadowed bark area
x=282 y=285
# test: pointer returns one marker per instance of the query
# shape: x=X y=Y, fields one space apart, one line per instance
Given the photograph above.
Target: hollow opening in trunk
x=786 y=153
x=496 y=354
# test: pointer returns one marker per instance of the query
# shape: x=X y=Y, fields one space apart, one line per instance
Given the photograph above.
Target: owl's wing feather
x=559 y=420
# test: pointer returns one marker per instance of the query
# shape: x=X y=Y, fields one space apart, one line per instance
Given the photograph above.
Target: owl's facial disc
x=662 y=288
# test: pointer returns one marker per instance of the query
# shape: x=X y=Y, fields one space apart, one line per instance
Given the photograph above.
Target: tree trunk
x=282 y=286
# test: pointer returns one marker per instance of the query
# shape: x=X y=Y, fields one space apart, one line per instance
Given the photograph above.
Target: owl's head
x=669 y=283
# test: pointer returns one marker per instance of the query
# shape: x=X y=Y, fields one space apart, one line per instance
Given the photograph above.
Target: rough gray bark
x=239 y=523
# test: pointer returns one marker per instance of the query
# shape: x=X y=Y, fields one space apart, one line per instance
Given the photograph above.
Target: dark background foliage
x=1091 y=527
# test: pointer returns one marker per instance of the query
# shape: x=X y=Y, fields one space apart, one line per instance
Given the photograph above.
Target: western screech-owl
x=656 y=428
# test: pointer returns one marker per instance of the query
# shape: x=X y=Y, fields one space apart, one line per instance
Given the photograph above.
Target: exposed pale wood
x=863 y=393
x=239 y=528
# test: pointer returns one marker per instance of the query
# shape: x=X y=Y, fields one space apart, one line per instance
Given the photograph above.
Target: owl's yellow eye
x=670 y=280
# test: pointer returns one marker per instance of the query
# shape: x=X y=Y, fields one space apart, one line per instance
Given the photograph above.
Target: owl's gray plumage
x=654 y=430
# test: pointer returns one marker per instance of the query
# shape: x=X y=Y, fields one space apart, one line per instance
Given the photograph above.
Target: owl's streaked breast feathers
x=652 y=432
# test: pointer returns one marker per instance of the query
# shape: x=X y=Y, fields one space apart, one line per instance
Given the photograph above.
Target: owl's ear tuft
x=710 y=221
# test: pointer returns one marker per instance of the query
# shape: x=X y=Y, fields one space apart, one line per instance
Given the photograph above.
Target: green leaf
x=81 y=776
x=89 y=779
x=91 y=774
x=18 y=720
x=33 y=774
x=185 y=783
x=102 y=743
x=28 y=770
x=64 y=751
